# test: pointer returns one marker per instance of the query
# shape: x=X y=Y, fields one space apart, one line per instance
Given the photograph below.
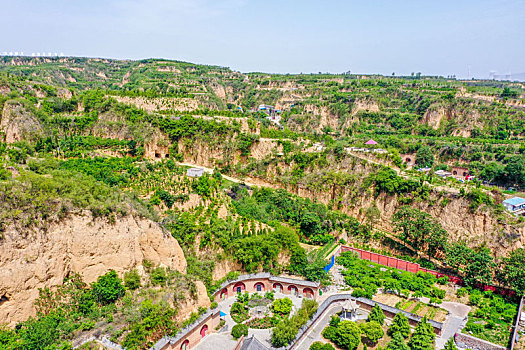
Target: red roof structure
x=371 y=142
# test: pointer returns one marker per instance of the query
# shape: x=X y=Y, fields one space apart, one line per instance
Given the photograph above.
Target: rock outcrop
x=78 y=244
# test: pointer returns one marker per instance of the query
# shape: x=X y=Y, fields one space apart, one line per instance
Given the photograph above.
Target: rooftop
x=515 y=201
x=252 y=343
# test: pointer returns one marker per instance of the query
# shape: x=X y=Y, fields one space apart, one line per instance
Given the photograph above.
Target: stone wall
x=465 y=341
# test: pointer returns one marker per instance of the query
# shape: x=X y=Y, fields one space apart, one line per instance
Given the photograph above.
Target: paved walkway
x=216 y=341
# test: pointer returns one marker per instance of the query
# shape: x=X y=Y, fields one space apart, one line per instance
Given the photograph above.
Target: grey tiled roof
x=252 y=343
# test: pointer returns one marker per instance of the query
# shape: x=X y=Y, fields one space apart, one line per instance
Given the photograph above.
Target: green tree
x=376 y=315
x=400 y=325
x=282 y=306
x=420 y=229
x=108 y=288
x=348 y=335
x=425 y=156
x=239 y=330
x=397 y=343
x=457 y=255
x=423 y=337
x=283 y=333
x=512 y=271
x=372 y=330
x=479 y=267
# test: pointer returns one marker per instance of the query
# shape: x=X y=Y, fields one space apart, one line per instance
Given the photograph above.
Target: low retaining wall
x=465 y=341
x=364 y=303
x=262 y=282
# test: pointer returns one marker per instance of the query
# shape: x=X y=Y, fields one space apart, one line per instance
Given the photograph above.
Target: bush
x=372 y=330
x=443 y=280
x=461 y=292
x=108 y=288
x=400 y=325
x=282 y=306
x=376 y=315
x=348 y=335
x=239 y=330
x=132 y=280
x=334 y=320
x=321 y=346
x=329 y=332
x=158 y=276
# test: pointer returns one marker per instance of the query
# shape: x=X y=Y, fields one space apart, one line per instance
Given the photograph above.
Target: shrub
x=372 y=330
x=108 y=288
x=132 y=280
x=443 y=280
x=376 y=315
x=282 y=306
x=239 y=330
x=329 y=332
x=461 y=292
x=348 y=335
x=158 y=276
x=321 y=346
x=400 y=325
x=334 y=320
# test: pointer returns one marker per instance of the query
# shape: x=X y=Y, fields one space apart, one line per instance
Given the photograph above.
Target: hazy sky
x=366 y=36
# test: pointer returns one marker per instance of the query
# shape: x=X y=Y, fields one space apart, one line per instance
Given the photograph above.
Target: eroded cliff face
x=479 y=227
x=77 y=244
x=18 y=123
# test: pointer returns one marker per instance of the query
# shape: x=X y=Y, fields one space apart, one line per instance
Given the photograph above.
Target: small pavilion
x=371 y=142
x=349 y=311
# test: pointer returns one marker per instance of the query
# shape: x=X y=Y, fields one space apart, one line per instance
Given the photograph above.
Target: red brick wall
x=250 y=286
x=194 y=336
x=414 y=267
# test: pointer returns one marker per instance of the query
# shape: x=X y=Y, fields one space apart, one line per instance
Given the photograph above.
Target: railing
x=343 y=297
x=517 y=324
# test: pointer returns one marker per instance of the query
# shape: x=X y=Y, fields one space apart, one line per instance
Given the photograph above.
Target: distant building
x=265 y=108
x=408 y=159
x=443 y=173
x=515 y=205
x=461 y=172
x=195 y=172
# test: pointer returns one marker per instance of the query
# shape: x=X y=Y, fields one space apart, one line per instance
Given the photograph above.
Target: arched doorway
x=185 y=345
x=259 y=287
x=204 y=330
x=278 y=287
x=308 y=293
x=292 y=289
x=239 y=287
x=408 y=160
x=224 y=294
x=454 y=172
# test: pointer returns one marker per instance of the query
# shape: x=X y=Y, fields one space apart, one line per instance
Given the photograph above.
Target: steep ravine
x=479 y=227
x=77 y=244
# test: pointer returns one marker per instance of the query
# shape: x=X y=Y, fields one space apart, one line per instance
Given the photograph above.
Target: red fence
x=414 y=267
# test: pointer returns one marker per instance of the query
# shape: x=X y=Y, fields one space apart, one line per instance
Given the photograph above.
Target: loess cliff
x=80 y=244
